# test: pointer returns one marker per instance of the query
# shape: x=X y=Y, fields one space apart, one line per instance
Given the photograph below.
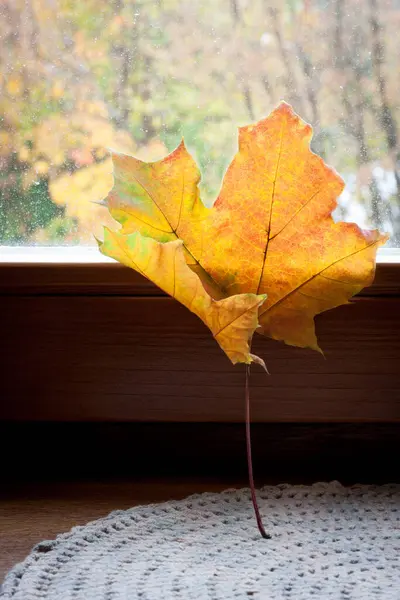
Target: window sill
x=85 y=271
x=95 y=341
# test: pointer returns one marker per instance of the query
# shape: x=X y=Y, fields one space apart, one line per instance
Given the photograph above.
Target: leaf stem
x=250 y=462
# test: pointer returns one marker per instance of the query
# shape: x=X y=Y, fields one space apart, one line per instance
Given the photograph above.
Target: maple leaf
x=278 y=197
x=269 y=231
x=162 y=200
x=232 y=320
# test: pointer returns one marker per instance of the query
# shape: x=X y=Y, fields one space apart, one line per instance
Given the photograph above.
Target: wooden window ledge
x=94 y=341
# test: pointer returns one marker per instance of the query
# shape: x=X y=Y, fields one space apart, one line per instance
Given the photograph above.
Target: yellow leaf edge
x=232 y=320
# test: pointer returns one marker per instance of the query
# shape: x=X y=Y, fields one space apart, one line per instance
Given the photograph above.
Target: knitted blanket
x=328 y=542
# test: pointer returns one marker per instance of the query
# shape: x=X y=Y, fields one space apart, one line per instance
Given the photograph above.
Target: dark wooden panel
x=387 y=281
x=115 y=279
x=122 y=358
x=73 y=279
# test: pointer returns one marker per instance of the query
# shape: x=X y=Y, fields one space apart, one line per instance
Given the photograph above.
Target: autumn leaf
x=232 y=320
x=279 y=236
x=269 y=231
x=161 y=200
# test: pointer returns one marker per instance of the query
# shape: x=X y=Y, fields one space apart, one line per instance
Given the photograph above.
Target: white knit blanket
x=328 y=542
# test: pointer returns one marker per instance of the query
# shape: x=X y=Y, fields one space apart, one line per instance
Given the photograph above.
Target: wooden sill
x=97 y=342
x=84 y=271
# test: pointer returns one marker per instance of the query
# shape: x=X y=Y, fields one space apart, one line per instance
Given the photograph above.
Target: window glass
x=78 y=77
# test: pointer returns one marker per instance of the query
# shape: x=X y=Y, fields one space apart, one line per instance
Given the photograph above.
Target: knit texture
x=328 y=542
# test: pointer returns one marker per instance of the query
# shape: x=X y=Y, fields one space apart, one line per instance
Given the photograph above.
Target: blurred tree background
x=78 y=77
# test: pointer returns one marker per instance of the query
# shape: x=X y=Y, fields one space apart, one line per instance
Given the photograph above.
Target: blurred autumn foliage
x=77 y=78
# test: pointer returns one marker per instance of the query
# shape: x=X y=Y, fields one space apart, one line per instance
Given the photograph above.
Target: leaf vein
x=272 y=205
x=233 y=320
x=317 y=274
x=295 y=214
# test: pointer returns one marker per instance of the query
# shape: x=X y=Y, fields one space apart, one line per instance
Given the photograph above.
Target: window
x=136 y=75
